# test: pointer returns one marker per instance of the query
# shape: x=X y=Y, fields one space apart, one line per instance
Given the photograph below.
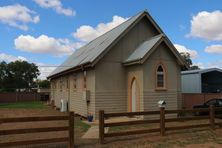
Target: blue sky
x=47 y=31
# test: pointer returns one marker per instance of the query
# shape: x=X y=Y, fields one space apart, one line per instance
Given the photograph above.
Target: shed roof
x=200 y=71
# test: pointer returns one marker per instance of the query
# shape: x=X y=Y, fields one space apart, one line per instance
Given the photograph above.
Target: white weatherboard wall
x=191 y=83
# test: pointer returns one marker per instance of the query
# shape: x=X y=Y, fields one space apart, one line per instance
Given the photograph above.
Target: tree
x=187 y=59
x=3 y=71
x=18 y=75
x=43 y=83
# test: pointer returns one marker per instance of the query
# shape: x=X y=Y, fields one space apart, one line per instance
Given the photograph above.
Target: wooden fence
x=12 y=97
x=69 y=128
x=161 y=120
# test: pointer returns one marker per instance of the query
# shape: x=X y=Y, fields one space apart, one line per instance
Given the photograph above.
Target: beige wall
x=161 y=55
x=75 y=96
x=110 y=82
x=111 y=75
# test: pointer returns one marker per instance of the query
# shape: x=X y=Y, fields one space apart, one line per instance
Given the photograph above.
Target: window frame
x=84 y=80
x=163 y=73
x=60 y=84
x=67 y=83
x=74 y=81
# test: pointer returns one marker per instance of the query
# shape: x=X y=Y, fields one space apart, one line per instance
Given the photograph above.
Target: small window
x=160 y=77
x=84 y=80
x=74 y=82
x=67 y=83
x=60 y=84
x=53 y=85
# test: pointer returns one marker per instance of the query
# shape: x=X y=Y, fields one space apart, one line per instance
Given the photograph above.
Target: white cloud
x=207 y=25
x=200 y=65
x=18 y=16
x=212 y=64
x=87 y=33
x=10 y=58
x=214 y=49
x=45 y=44
x=57 y=6
x=45 y=70
x=181 y=48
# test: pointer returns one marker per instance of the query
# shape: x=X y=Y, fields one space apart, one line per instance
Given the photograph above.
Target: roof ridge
x=90 y=52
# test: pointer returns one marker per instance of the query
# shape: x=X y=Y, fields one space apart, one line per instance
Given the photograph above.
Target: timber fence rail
x=162 y=120
x=69 y=129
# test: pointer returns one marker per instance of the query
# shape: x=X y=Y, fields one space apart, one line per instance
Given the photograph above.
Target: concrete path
x=93 y=132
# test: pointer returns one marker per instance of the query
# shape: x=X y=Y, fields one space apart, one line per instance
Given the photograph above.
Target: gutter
x=137 y=61
x=70 y=70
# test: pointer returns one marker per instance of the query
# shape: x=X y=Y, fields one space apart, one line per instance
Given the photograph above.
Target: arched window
x=160 y=77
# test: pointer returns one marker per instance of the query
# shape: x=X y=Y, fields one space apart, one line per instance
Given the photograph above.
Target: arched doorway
x=133 y=96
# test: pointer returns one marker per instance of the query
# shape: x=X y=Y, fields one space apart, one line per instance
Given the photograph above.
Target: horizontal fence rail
x=187 y=110
x=32 y=130
x=186 y=118
x=132 y=132
x=31 y=142
x=130 y=123
x=32 y=119
x=209 y=114
x=70 y=129
x=131 y=114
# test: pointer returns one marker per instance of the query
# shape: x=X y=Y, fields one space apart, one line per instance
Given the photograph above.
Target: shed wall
x=191 y=83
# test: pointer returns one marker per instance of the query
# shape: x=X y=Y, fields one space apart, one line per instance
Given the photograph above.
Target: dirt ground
x=204 y=138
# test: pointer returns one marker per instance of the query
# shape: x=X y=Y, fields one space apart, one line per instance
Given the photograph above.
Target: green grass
x=24 y=105
x=81 y=125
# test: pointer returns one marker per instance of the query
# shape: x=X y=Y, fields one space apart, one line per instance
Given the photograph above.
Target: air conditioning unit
x=63 y=106
x=86 y=95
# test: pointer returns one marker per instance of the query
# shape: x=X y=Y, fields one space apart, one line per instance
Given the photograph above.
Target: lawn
x=79 y=124
x=24 y=105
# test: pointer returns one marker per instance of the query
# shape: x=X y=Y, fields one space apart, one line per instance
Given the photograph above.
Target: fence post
x=162 y=121
x=71 y=129
x=101 y=126
x=212 y=117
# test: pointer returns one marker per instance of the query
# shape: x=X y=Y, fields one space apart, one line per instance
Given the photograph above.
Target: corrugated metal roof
x=143 y=48
x=200 y=71
x=93 y=49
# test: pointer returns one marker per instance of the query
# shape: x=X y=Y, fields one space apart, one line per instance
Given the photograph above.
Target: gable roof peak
x=92 y=52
